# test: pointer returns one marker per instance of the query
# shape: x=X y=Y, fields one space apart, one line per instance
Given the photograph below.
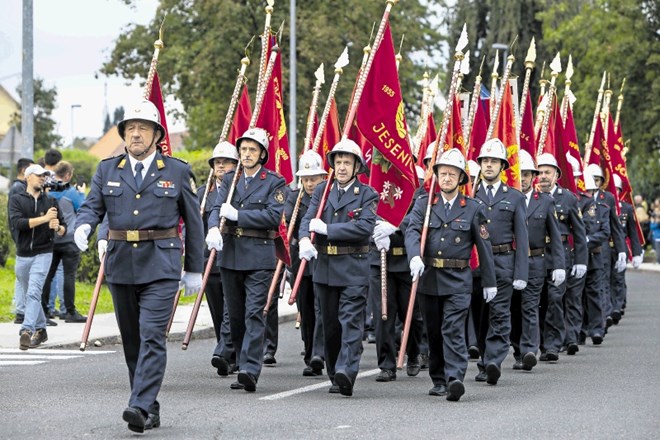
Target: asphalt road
x=611 y=391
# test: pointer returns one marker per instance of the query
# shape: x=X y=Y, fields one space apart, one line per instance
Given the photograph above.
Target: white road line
x=8 y=363
x=29 y=356
x=54 y=351
x=316 y=386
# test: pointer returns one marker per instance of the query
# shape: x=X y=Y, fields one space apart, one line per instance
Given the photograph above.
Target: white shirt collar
x=346 y=188
x=495 y=185
x=451 y=202
x=146 y=162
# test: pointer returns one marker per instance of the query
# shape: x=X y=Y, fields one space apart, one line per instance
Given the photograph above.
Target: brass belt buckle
x=239 y=232
x=332 y=250
x=397 y=251
x=441 y=263
x=133 y=235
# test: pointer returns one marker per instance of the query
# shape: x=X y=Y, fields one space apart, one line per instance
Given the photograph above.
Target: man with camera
x=64 y=248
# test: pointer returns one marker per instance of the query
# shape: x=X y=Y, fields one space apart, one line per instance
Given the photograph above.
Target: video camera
x=55 y=185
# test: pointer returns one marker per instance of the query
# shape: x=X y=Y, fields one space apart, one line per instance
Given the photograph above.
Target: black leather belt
x=502 y=248
x=536 y=252
x=446 y=263
x=143 y=235
x=596 y=250
x=394 y=251
x=254 y=233
x=342 y=250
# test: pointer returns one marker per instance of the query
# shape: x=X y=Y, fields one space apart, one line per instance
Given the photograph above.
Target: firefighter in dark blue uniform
x=311 y=173
x=341 y=272
x=144 y=195
x=223 y=160
x=543 y=228
x=456 y=224
x=507 y=224
x=248 y=262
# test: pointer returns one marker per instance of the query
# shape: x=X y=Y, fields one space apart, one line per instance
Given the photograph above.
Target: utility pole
x=27 y=95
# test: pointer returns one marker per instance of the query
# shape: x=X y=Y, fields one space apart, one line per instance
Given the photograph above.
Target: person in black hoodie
x=36 y=218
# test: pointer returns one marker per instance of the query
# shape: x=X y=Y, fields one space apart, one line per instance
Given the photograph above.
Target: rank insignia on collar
x=160 y=164
x=356 y=190
x=279 y=196
x=462 y=204
x=483 y=232
x=536 y=196
x=121 y=163
x=505 y=188
x=263 y=175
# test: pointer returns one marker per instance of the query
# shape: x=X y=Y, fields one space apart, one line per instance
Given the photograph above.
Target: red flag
x=381 y=119
x=550 y=141
x=557 y=129
x=527 y=135
x=506 y=131
x=600 y=155
x=615 y=141
x=156 y=96
x=571 y=147
x=355 y=135
x=282 y=243
x=271 y=118
x=331 y=133
x=479 y=129
x=430 y=136
x=242 y=117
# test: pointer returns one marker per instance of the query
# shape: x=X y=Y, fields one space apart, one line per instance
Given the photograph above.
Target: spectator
x=642 y=214
x=18 y=186
x=36 y=217
x=52 y=158
x=655 y=231
x=65 y=249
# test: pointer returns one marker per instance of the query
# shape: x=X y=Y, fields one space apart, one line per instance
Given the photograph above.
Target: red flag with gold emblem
x=242 y=117
x=527 y=135
x=557 y=130
x=571 y=147
x=381 y=119
x=156 y=96
x=271 y=118
x=430 y=136
x=618 y=163
x=331 y=133
x=506 y=131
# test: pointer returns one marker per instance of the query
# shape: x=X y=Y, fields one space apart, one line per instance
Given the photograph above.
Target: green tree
x=204 y=42
x=45 y=101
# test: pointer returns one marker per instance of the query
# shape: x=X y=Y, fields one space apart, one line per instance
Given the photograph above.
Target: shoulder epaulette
x=177 y=158
x=113 y=157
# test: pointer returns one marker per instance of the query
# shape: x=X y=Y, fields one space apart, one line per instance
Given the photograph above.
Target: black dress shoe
x=572 y=348
x=371 y=338
x=310 y=372
x=135 y=419
x=582 y=339
x=473 y=352
x=345 y=383
x=616 y=317
x=248 y=381
x=221 y=364
x=51 y=323
x=517 y=365
x=236 y=386
x=551 y=356
x=440 y=391
x=455 y=390
x=153 y=421
x=386 y=376
x=493 y=374
x=269 y=359
x=544 y=357
x=528 y=361
x=334 y=389
x=424 y=361
x=75 y=317
x=608 y=322
x=597 y=339
x=19 y=318
x=413 y=368
x=482 y=376
x=316 y=362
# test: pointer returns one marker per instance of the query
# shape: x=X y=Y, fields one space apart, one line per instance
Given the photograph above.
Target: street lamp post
x=73 y=106
x=504 y=48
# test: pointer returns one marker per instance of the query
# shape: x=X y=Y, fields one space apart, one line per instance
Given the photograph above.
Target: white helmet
x=310 y=164
x=589 y=182
x=453 y=157
x=617 y=181
x=595 y=170
x=145 y=111
x=575 y=164
x=494 y=148
x=347 y=146
x=526 y=162
x=429 y=153
x=224 y=150
x=260 y=136
x=549 y=160
x=473 y=168
x=421 y=174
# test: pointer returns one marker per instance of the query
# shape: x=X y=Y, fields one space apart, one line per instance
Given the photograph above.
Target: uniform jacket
x=166 y=195
x=596 y=217
x=260 y=206
x=32 y=241
x=208 y=207
x=627 y=219
x=543 y=231
x=507 y=223
x=350 y=222
x=571 y=226
x=451 y=237
x=293 y=244
x=617 y=234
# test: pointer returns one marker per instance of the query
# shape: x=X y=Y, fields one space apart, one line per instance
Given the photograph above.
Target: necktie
x=490 y=193
x=447 y=209
x=138 y=174
x=248 y=179
x=341 y=193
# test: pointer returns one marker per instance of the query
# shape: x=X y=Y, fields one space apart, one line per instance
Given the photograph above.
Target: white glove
x=80 y=236
x=383 y=243
x=306 y=250
x=191 y=283
x=214 y=239
x=519 y=284
x=383 y=229
x=558 y=277
x=317 y=225
x=579 y=270
x=102 y=246
x=637 y=261
x=620 y=264
x=416 y=268
x=489 y=293
x=229 y=212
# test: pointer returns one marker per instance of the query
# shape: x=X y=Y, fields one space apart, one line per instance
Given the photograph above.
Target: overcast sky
x=72 y=38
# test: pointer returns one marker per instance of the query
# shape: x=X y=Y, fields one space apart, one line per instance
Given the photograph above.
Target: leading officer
x=144 y=194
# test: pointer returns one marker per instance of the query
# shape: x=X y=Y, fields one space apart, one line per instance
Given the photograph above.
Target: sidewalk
x=104 y=330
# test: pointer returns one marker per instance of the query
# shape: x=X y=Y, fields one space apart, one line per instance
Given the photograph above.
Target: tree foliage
x=45 y=101
x=205 y=41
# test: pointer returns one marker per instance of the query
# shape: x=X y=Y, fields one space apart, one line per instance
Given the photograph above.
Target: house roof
x=111 y=144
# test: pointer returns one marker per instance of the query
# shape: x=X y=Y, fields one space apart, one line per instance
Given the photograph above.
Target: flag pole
x=599 y=101
x=476 y=95
x=493 y=85
x=619 y=104
x=458 y=57
x=263 y=60
x=566 y=100
x=555 y=68
x=530 y=61
x=495 y=113
x=423 y=115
